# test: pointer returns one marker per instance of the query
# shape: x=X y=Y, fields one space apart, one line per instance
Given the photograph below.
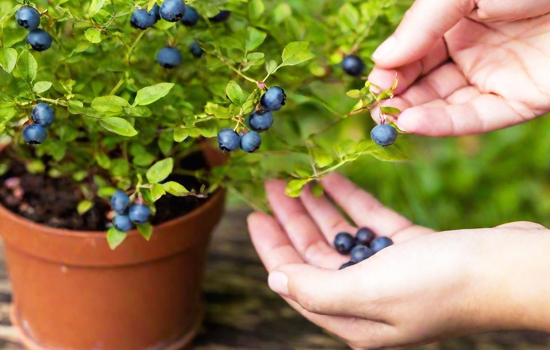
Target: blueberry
x=384 y=134
x=120 y=202
x=169 y=57
x=220 y=17
x=274 y=99
x=28 y=18
x=360 y=253
x=123 y=223
x=139 y=213
x=353 y=65
x=196 y=50
x=380 y=243
x=364 y=236
x=261 y=120
x=172 y=10
x=40 y=40
x=344 y=243
x=155 y=12
x=190 y=18
x=34 y=134
x=42 y=114
x=251 y=141
x=346 y=265
x=142 y=19
x=228 y=140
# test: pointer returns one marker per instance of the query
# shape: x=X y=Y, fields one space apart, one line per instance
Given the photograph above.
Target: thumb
x=326 y=292
x=424 y=23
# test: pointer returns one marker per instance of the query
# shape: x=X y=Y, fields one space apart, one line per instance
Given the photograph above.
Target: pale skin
x=428 y=285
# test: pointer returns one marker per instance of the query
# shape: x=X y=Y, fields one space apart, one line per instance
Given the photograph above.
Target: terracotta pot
x=71 y=292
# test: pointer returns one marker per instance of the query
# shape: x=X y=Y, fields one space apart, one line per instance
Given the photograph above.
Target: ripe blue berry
x=228 y=140
x=123 y=223
x=169 y=57
x=172 y=10
x=353 y=65
x=364 y=236
x=139 y=213
x=220 y=17
x=384 y=134
x=196 y=50
x=42 y=114
x=190 y=18
x=360 y=253
x=120 y=202
x=40 y=40
x=142 y=19
x=261 y=120
x=28 y=18
x=380 y=243
x=155 y=11
x=346 y=265
x=251 y=141
x=34 y=134
x=344 y=243
x=274 y=99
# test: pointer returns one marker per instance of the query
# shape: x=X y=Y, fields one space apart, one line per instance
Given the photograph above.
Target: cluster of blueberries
x=29 y=18
x=173 y=11
x=383 y=134
x=261 y=120
x=42 y=117
x=128 y=215
x=361 y=247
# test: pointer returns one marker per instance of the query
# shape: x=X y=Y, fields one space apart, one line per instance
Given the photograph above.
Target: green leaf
x=270 y=66
x=389 y=154
x=322 y=157
x=349 y=16
x=354 y=93
x=138 y=111
x=8 y=58
x=115 y=237
x=152 y=93
x=294 y=187
x=281 y=12
x=95 y=6
x=146 y=230
x=317 y=189
x=235 y=93
x=181 y=134
x=255 y=38
x=118 y=126
x=295 y=53
x=84 y=206
x=103 y=160
x=160 y=170
x=157 y=191
x=93 y=35
x=27 y=66
x=175 y=189
x=41 y=86
x=391 y=110
x=255 y=9
x=109 y=103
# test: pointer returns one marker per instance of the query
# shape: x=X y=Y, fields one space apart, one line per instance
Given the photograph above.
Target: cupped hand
x=468 y=66
x=425 y=287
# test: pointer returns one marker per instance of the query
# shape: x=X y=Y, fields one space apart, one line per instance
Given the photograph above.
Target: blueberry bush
x=123 y=90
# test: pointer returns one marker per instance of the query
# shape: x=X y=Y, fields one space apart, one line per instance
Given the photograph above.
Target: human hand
x=425 y=287
x=468 y=66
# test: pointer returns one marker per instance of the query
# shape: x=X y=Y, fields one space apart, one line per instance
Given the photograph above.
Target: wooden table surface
x=243 y=314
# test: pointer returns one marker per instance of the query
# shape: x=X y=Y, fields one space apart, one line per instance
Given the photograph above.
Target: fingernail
x=278 y=282
x=385 y=49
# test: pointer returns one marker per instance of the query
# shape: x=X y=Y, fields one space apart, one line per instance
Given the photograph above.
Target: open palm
x=485 y=72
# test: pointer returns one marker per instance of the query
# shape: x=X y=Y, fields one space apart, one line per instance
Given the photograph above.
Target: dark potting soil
x=53 y=202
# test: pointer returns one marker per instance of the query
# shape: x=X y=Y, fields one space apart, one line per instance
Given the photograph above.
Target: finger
x=483 y=113
x=321 y=291
x=327 y=217
x=509 y=10
x=523 y=225
x=363 y=208
x=300 y=228
x=423 y=25
x=407 y=75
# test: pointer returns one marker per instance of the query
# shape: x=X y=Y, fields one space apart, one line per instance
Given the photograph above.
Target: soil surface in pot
x=53 y=202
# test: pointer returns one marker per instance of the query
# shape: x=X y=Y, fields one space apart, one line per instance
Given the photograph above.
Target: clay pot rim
x=5 y=212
